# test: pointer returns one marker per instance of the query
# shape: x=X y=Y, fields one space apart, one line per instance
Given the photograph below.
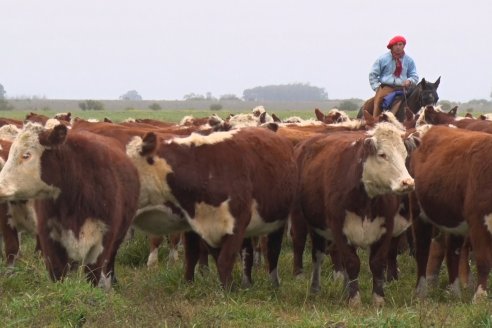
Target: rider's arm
x=375 y=74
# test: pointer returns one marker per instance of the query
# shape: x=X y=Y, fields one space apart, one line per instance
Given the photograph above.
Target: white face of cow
x=384 y=170
x=20 y=177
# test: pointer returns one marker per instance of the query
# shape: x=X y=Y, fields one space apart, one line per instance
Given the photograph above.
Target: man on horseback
x=392 y=71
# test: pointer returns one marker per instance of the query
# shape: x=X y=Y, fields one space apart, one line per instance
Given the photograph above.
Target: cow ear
x=263 y=117
x=370 y=120
x=276 y=119
x=411 y=143
x=319 y=115
x=272 y=126
x=149 y=144
x=369 y=146
x=55 y=137
x=453 y=111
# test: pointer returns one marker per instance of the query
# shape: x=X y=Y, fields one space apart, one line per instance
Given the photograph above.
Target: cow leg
x=274 y=245
x=317 y=256
x=55 y=258
x=377 y=262
x=203 y=258
x=10 y=237
x=423 y=235
x=154 y=242
x=191 y=253
x=481 y=242
x=392 y=263
x=435 y=259
x=454 y=246
x=173 y=241
x=298 y=233
x=231 y=245
x=464 y=266
x=247 y=255
x=338 y=270
x=351 y=262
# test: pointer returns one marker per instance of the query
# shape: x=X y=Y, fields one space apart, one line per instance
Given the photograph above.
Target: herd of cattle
x=80 y=186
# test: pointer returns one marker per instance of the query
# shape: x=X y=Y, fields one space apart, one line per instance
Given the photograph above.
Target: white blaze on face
x=212 y=222
x=362 y=232
x=84 y=248
x=20 y=177
x=385 y=172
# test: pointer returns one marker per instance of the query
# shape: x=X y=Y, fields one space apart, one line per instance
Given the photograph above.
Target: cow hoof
x=173 y=256
x=152 y=259
x=315 y=289
x=377 y=301
x=480 y=295
x=355 y=301
x=338 y=276
x=454 y=289
x=421 y=289
x=432 y=280
x=300 y=276
x=246 y=284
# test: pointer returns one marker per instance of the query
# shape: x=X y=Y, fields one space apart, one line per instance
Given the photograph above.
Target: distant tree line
x=286 y=92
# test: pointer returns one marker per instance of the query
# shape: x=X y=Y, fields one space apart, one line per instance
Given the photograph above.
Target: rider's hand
x=407 y=83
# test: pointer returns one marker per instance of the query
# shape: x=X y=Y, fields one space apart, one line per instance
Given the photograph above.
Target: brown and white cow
x=453 y=171
x=229 y=186
x=349 y=183
x=87 y=193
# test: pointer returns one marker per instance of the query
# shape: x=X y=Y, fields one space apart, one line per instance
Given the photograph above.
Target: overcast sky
x=99 y=49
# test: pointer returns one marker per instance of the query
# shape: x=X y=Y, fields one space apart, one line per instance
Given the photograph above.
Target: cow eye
x=26 y=155
x=383 y=156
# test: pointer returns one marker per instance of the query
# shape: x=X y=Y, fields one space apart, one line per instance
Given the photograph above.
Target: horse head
x=428 y=92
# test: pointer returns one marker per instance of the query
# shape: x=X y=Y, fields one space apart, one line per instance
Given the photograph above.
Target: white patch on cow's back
x=257 y=226
x=488 y=222
x=51 y=123
x=154 y=189
x=196 y=139
x=84 y=248
x=362 y=232
x=212 y=222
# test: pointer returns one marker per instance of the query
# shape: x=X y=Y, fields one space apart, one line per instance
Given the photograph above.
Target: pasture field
x=160 y=297
x=165 y=115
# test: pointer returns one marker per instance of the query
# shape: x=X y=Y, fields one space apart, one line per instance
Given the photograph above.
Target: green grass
x=160 y=297
x=165 y=115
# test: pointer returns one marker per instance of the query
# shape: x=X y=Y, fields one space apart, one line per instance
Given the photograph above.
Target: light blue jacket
x=384 y=67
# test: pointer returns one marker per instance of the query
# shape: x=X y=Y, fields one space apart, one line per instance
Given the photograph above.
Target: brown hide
x=254 y=164
x=330 y=184
x=455 y=193
x=97 y=181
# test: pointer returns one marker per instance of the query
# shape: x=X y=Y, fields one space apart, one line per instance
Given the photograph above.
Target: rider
x=391 y=71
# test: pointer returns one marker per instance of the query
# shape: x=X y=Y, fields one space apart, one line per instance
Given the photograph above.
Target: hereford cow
x=453 y=169
x=348 y=189
x=228 y=185
x=87 y=193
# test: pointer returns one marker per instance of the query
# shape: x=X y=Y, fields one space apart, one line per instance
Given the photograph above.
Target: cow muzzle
x=406 y=185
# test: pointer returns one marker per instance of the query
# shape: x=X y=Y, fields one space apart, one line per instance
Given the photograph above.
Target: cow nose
x=407 y=184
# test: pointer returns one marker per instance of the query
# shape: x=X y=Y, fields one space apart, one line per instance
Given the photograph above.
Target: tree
x=155 y=106
x=91 y=105
x=286 y=92
x=131 y=95
x=229 y=97
x=348 y=105
x=193 y=96
x=2 y=92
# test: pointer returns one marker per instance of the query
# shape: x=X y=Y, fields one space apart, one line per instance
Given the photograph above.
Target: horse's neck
x=413 y=100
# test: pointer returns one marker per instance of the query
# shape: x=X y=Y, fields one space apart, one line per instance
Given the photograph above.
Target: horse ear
x=436 y=84
x=423 y=82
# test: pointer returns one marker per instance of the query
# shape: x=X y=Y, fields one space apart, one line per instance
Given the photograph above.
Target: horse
x=423 y=94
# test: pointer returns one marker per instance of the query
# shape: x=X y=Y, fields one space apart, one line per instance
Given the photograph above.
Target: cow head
x=20 y=177
x=384 y=169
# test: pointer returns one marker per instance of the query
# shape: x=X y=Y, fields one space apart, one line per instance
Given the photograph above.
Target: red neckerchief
x=399 y=66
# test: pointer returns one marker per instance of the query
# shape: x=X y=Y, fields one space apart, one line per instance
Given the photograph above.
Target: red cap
x=395 y=40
